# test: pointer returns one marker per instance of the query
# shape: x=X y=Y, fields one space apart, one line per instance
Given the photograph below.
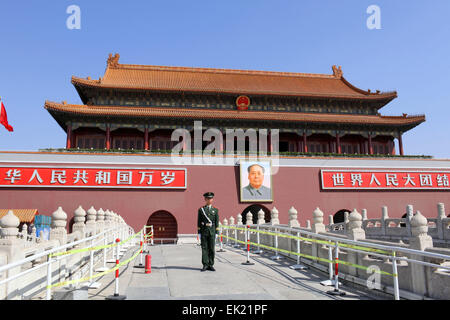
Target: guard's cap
x=208 y=195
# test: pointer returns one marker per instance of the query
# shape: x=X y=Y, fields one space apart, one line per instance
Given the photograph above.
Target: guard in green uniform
x=208 y=228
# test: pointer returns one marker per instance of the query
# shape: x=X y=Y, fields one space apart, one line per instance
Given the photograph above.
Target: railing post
x=236 y=244
x=276 y=256
x=105 y=243
x=298 y=266
x=336 y=291
x=258 y=250
x=394 y=271
x=221 y=240
x=113 y=258
x=226 y=232
x=330 y=281
x=151 y=242
x=116 y=295
x=247 y=238
x=49 y=278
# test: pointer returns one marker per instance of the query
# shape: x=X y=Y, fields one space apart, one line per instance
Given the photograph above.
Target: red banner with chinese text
x=92 y=177
x=390 y=180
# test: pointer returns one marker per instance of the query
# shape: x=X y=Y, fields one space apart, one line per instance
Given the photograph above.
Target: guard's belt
x=209 y=224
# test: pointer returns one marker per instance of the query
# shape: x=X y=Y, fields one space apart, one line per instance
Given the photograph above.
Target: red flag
x=4 y=119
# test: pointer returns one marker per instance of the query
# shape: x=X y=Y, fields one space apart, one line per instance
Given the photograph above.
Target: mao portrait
x=255 y=181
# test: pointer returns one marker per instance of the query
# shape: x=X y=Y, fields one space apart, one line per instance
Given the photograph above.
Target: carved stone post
x=239 y=219
x=318 y=225
x=420 y=240
x=225 y=222
x=231 y=221
x=9 y=227
x=58 y=231
x=274 y=217
x=354 y=229
x=439 y=223
x=24 y=232
x=354 y=232
x=249 y=219
x=100 y=220
x=261 y=215
x=330 y=220
x=409 y=215
x=33 y=234
x=293 y=221
x=79 y=218
x=108 y=219
x=12 y=247
x=384 y=216
x=364 y=214
x=91 y=220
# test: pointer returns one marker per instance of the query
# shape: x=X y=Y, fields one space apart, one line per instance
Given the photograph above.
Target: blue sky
x=409 y=54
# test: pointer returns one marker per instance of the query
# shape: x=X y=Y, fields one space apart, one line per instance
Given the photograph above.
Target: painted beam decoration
x=384 y=180
x=90 y=177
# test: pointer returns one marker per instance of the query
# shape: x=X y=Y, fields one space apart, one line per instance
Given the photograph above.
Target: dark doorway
x=402 y=224
x=165 y=227
x=254 y=209
x=340 y=216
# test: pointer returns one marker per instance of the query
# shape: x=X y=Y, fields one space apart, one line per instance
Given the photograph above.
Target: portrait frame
x=246 y=192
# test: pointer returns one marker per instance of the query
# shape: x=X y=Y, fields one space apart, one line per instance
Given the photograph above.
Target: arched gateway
x=165 y=227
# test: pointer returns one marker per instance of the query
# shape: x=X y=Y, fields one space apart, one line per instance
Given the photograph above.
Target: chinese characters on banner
x=92 y=177
x=392 y=180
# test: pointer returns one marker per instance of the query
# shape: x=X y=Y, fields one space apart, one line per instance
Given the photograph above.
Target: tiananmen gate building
x=334 y=149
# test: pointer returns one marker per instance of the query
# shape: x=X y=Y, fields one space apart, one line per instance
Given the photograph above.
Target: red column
x=146 y=139
x=299 y=145
x=370 y=145
x=338 y=144
x=305 y=146
x=69 y=136
x=108 y=138
x=222 y=149
x=400 y=143
x=270 y=141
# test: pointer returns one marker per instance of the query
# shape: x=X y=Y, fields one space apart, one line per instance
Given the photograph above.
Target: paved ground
x=176 y=275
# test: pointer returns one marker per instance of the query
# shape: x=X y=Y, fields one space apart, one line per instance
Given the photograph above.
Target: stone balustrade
x=416 y=281
x=397 y=229
x=17 y=245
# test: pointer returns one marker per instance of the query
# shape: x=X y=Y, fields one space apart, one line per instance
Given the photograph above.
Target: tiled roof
x=24 y=215
x=230 y=81
x=154 y=112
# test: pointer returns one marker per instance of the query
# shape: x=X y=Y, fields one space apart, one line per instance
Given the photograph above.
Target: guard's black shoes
x=204 y=269
x=212 y=268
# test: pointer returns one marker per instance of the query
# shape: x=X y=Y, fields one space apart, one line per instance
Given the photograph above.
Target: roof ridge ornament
x=113 y=61
x=337 y=71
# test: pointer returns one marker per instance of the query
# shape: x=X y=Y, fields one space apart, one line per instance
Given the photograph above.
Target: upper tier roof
x=228 y=81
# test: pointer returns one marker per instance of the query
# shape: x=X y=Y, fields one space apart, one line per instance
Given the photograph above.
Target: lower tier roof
x=202 y=114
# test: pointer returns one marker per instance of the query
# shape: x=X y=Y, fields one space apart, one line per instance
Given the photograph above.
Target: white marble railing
x=24 y=258
x=386 y=228
x=421 y=270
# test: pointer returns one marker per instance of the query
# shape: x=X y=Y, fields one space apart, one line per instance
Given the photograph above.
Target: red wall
x=298 y=187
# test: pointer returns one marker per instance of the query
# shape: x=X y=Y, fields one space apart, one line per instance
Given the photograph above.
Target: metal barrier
x=61 y=252
x=337 y=243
